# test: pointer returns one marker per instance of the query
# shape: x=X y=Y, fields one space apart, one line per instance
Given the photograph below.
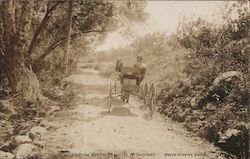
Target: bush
x=212 y=109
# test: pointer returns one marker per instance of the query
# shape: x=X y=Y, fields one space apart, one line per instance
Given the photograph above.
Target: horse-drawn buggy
x=130 y=83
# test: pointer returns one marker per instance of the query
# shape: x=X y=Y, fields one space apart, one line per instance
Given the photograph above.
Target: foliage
x=216 y=49
x=92 y=19
x=206 y=108
x=33 y=35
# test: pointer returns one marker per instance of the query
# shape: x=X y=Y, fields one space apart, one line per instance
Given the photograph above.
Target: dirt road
x=89 y=131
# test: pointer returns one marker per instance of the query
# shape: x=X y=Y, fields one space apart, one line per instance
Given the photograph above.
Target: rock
x=6 y=146
x=56 y=81
x=55 y=108
x=193 y=118
x=191 y=127
x=227 y=135
x=180 y=117
x=50 y=126
x=6 y=155
x=44 y=123
x=3 y=116
x=208 y=132
x=37 y=132
x=30 y=111
x=241 y=126
x=232 y=132
x=230 y=139
x=25 y=151
x=39 y=143
x=19 y=140
x=243 y=113
x=6 y=107
x=201 y=117
x=42 y=114
x=198 y=101
x=210 y=107
x=196 y=126
x=227 y=76
x=194 y=103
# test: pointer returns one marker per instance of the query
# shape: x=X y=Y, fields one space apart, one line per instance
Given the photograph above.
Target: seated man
x=139 y=64
x=118 y=65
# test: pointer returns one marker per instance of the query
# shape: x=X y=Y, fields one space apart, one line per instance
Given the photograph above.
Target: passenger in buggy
x=141 y=65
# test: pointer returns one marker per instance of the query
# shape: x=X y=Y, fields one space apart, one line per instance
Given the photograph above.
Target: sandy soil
x=89 y=130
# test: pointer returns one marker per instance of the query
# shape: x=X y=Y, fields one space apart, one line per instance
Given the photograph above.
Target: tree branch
x=46 y=53
x=49 y=49
x=94 y=31
x=57 y=43
x=42 y=26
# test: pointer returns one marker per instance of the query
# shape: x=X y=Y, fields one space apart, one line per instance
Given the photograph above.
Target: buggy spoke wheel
x=145 y=90
x=127 y=97
x=152 y=97
x=109 y=97
x=141 y=90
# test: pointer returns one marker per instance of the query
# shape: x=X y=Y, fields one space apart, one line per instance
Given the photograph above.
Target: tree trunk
x=22 y=80
x=68 y=34
x=16 y=38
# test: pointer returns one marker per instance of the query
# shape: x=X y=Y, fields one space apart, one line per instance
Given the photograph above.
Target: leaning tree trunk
x=16 y=16
x=22 y=79
x=68 y=34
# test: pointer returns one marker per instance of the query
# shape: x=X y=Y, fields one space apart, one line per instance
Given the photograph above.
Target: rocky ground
x=21 y=130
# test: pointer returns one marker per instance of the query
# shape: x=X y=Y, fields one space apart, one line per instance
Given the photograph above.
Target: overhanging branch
x=42 y=26
x=59 y=42
x=49 y=49
x=94 y=31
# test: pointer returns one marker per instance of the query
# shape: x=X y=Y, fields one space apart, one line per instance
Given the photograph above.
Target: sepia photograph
x=124 y=79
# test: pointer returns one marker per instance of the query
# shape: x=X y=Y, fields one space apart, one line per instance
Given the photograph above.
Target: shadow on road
x=119 y=111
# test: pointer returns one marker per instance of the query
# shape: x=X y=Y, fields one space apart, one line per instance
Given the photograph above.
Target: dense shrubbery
x=216 y=50
x=214 y=101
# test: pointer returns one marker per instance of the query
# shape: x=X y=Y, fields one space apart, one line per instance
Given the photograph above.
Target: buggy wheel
x=127 y=97
x=151 y=108
x=122 y=97
x=141 y=90
x=109 y=97
x=152 y=97
x=122 y=94
x=152 y=91
x=145 y=94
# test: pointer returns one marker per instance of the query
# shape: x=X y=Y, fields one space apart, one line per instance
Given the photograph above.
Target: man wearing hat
x=139 y=64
